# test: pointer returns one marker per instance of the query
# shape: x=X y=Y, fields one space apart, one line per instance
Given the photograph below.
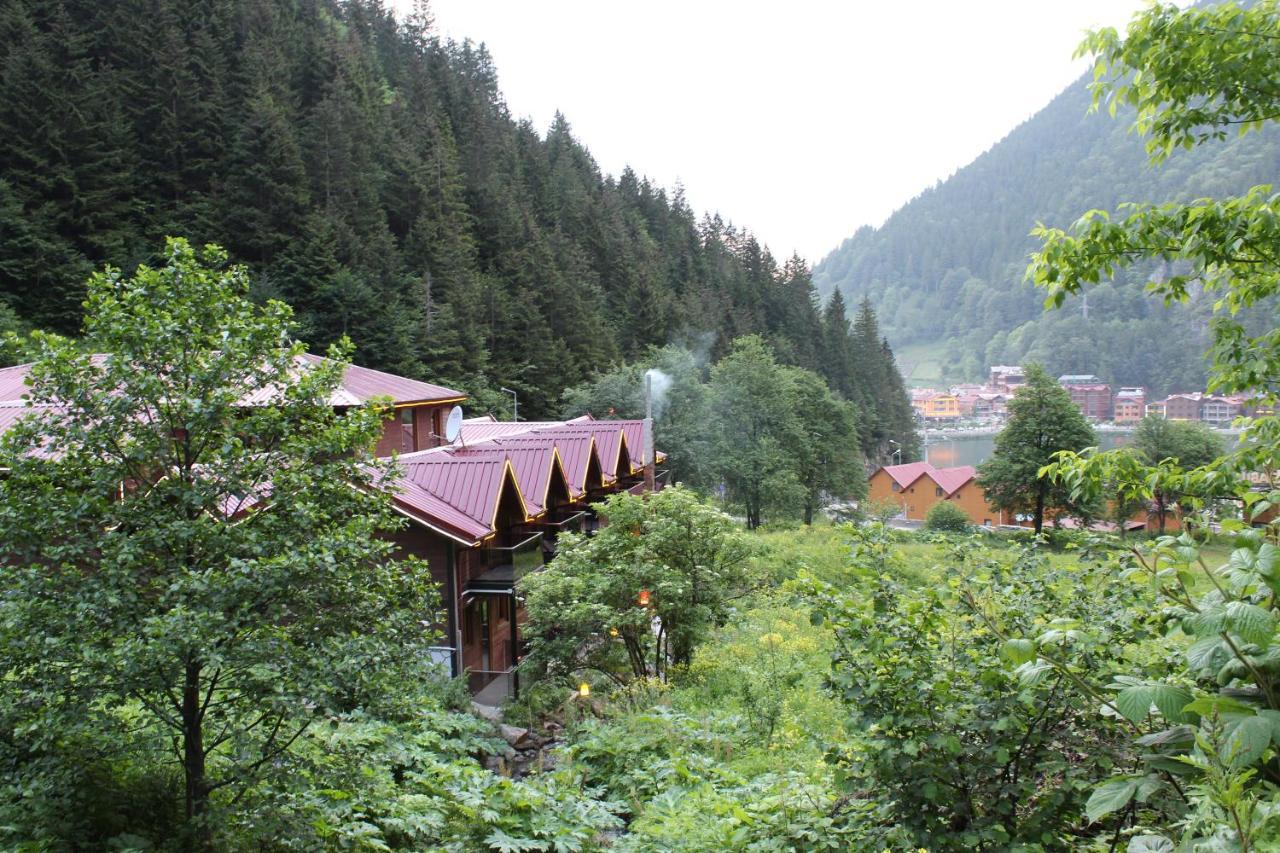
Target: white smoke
x=660 y=383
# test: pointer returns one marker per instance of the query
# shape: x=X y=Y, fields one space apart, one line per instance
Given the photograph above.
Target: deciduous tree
x=190 y=535
x=1042 y=421
x=640 y=594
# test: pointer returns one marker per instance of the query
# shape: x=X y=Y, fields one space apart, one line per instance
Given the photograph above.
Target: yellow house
x=937 y=406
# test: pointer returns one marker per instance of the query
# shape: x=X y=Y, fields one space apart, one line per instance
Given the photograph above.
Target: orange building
x=937 y=406
x=917 y=486
x=1130 y=405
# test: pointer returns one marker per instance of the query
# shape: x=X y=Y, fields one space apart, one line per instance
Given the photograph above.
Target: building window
x=408 y=442
x=938 y=491
x=897 y=488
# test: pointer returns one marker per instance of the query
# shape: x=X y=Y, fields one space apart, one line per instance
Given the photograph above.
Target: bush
x=943 y=704
x=946 y=516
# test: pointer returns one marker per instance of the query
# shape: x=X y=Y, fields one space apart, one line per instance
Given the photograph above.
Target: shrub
x=962 y=749
x=946 y=516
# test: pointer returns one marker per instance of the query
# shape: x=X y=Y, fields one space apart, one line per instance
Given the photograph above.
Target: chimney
x=648 y=434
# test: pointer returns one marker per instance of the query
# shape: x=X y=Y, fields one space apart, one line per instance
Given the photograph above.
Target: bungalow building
x=484 y=510
x=917 y=486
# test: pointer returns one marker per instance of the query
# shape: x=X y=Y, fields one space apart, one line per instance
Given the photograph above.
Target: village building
x=1090 y=394
x=484 y=510
x=1130 y=405
x=1005 y=377
x=1177 y=407
x=917 y=486
x=935 y=405
x=1219 y=411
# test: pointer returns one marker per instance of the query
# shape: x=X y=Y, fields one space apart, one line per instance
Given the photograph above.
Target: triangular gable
x=950 y=480
x=905 y=475
x=536 y=467
x=509 y=482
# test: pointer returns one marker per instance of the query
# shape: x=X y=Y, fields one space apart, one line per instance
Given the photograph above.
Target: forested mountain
x=372 y=176
x=949 y=265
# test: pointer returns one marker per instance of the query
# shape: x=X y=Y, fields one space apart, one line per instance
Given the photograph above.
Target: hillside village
x=988 y=403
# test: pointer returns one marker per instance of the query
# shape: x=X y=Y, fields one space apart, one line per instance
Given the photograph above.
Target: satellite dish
x=453 y=426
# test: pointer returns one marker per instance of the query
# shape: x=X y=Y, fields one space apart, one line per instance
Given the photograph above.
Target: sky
x=800 y=120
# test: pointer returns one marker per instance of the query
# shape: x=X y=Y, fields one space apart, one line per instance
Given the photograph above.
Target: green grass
x=923 y=364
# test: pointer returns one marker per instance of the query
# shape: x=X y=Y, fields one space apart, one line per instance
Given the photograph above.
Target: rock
x=488 y=712
x=509 y=753
x=494 y=764
x=514 y=735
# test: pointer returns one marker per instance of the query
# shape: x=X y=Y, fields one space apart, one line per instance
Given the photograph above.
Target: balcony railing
x=491 y=687
x=571 y=521
x=505 y=565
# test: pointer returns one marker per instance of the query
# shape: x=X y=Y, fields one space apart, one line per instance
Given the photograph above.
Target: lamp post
x=898 y=452
x=515 y=403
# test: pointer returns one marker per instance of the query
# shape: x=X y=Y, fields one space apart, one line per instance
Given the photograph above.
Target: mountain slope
x=371 y=175
x=948 y=266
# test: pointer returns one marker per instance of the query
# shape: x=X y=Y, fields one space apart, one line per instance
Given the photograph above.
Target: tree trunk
x=200 y=832
x=1039 y=509
x=808 y=514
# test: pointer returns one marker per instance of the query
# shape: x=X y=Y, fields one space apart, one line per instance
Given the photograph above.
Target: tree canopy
x=176 y=553
x=1042 y=422
x=634 y=599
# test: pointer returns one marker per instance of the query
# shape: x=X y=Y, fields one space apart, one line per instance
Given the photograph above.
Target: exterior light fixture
x=584 y=690
x=613 y=632
x=643 y=598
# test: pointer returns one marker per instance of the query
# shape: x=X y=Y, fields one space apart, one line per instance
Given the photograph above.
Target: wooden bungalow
x=483 y=511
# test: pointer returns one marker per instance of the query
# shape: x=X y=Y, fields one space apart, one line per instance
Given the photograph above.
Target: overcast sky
x=800 y=120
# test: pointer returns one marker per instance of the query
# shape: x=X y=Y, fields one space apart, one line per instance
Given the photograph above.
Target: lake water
x=947 y=451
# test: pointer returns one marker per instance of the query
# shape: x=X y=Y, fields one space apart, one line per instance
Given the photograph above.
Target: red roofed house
x=483 y=511
x=917 y=486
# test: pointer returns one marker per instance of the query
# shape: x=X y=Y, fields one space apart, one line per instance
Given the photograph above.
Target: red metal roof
x=535 y=466
x=469 y=480
x=359 y=384
x=610 y=437
x=905 y=475
x=13 y=381
x=556 y=455
x=487 y=428
x=951 y=479
x=365 y=384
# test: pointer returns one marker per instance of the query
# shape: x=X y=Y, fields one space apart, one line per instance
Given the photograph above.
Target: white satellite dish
x=453 y=426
